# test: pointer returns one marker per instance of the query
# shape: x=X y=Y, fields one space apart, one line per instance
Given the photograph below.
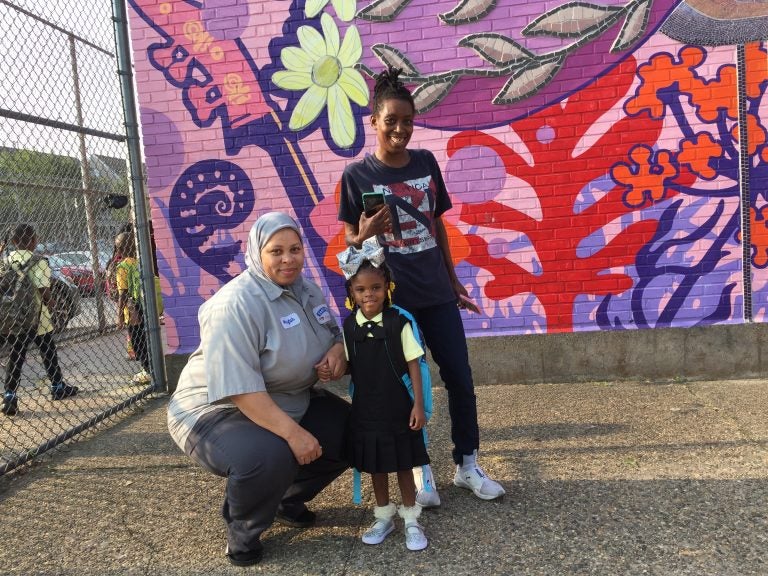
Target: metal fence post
x=123 y=53
x=90 y=220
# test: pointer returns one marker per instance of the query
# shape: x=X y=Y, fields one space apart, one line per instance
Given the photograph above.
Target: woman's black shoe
x=250 y=558
x=304 y=519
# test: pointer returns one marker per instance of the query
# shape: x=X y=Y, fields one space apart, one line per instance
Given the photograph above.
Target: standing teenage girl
x=410 y=228
x=385 y=425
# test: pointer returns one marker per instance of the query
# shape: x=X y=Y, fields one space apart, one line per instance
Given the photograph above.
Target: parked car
x=78 y=268
x=66 y=300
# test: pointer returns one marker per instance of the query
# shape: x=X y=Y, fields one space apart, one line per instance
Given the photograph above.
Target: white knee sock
x=385 y=512
x=409 y=513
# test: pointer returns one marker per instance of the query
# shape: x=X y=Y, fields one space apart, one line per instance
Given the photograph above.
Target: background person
x=111 y=278
x=111 y=281
x=410 y=228
x=24 y=238
x=130 y=309
x=246 y=407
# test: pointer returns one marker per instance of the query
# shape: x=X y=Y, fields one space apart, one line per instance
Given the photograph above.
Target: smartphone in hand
x=372 y=202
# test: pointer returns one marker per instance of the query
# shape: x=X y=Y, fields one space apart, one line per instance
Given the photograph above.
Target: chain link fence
x=64 y=198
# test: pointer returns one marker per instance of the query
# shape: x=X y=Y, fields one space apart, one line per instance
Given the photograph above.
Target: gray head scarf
x=262 y=230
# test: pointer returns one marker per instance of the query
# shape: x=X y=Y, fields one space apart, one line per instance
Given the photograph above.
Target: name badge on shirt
x=322 y=314
x=290 y=321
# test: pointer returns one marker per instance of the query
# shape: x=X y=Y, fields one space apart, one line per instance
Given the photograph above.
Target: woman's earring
x=348 y=304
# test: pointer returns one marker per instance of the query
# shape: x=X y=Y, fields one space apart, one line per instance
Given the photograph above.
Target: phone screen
x=372 y=201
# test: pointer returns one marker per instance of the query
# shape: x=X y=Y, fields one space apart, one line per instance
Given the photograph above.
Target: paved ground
x=601 y=478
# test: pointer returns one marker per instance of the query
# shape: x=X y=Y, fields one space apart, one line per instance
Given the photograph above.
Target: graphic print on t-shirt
x=411 y=204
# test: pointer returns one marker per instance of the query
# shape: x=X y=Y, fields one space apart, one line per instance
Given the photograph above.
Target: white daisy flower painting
x=345 y=9
x=323 y=66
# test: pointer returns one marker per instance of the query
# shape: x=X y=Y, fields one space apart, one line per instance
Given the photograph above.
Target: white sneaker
x=415 y=539
x=142 y=377
x=426 y=491
x=429 y=499
x=473 y=478
x=378 y=531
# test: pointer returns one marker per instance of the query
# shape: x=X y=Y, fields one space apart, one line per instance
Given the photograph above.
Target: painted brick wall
x=592 y=151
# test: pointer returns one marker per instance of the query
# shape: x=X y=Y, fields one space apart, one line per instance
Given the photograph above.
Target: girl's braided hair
x=388 y=86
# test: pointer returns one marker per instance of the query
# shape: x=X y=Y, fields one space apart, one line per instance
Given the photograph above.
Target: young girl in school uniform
x=386 y=423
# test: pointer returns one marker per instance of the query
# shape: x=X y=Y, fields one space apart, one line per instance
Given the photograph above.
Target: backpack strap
x=349 y=333
x=348 y=328
x=24 y=268
x=393 y=328
x=33 y=260
x=426 y=376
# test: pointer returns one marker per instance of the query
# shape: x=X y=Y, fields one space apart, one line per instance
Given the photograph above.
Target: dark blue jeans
x=444 y=336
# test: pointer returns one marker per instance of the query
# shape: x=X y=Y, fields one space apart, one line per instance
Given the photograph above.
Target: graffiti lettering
x=190 y=58
x=237 y=92
x=201 y=39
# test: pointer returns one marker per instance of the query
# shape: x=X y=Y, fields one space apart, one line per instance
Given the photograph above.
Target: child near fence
x=129 y=302
x=24 y=238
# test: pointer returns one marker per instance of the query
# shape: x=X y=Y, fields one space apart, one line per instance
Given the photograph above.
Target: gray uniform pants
x=261 y=471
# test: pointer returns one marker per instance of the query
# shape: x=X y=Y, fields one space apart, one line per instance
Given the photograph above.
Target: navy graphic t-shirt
x=416 y=195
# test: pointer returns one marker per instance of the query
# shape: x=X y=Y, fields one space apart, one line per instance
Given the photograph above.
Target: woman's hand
x=462 y=296
x=417 y=418
x=324 y=372
x=304 y=446
x=379 y=223
x=333 y=365
x=262 y=410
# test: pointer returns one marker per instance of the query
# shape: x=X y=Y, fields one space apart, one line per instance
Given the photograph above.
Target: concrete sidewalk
x=601 y=478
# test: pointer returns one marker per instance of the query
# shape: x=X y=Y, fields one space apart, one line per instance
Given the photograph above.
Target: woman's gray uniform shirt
x=254 y=336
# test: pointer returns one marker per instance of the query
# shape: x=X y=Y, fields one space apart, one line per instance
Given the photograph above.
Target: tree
x=46 y=190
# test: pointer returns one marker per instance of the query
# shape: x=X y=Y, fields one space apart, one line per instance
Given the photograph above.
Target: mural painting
x=592 y=150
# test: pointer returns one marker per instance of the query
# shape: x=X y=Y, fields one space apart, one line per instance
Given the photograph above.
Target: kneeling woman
x=245 y=407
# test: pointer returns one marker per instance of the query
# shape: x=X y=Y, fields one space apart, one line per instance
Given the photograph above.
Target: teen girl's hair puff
x=368 y=265
x=389 y=87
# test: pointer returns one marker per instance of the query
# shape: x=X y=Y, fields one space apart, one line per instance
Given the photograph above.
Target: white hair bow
x=351 y=259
